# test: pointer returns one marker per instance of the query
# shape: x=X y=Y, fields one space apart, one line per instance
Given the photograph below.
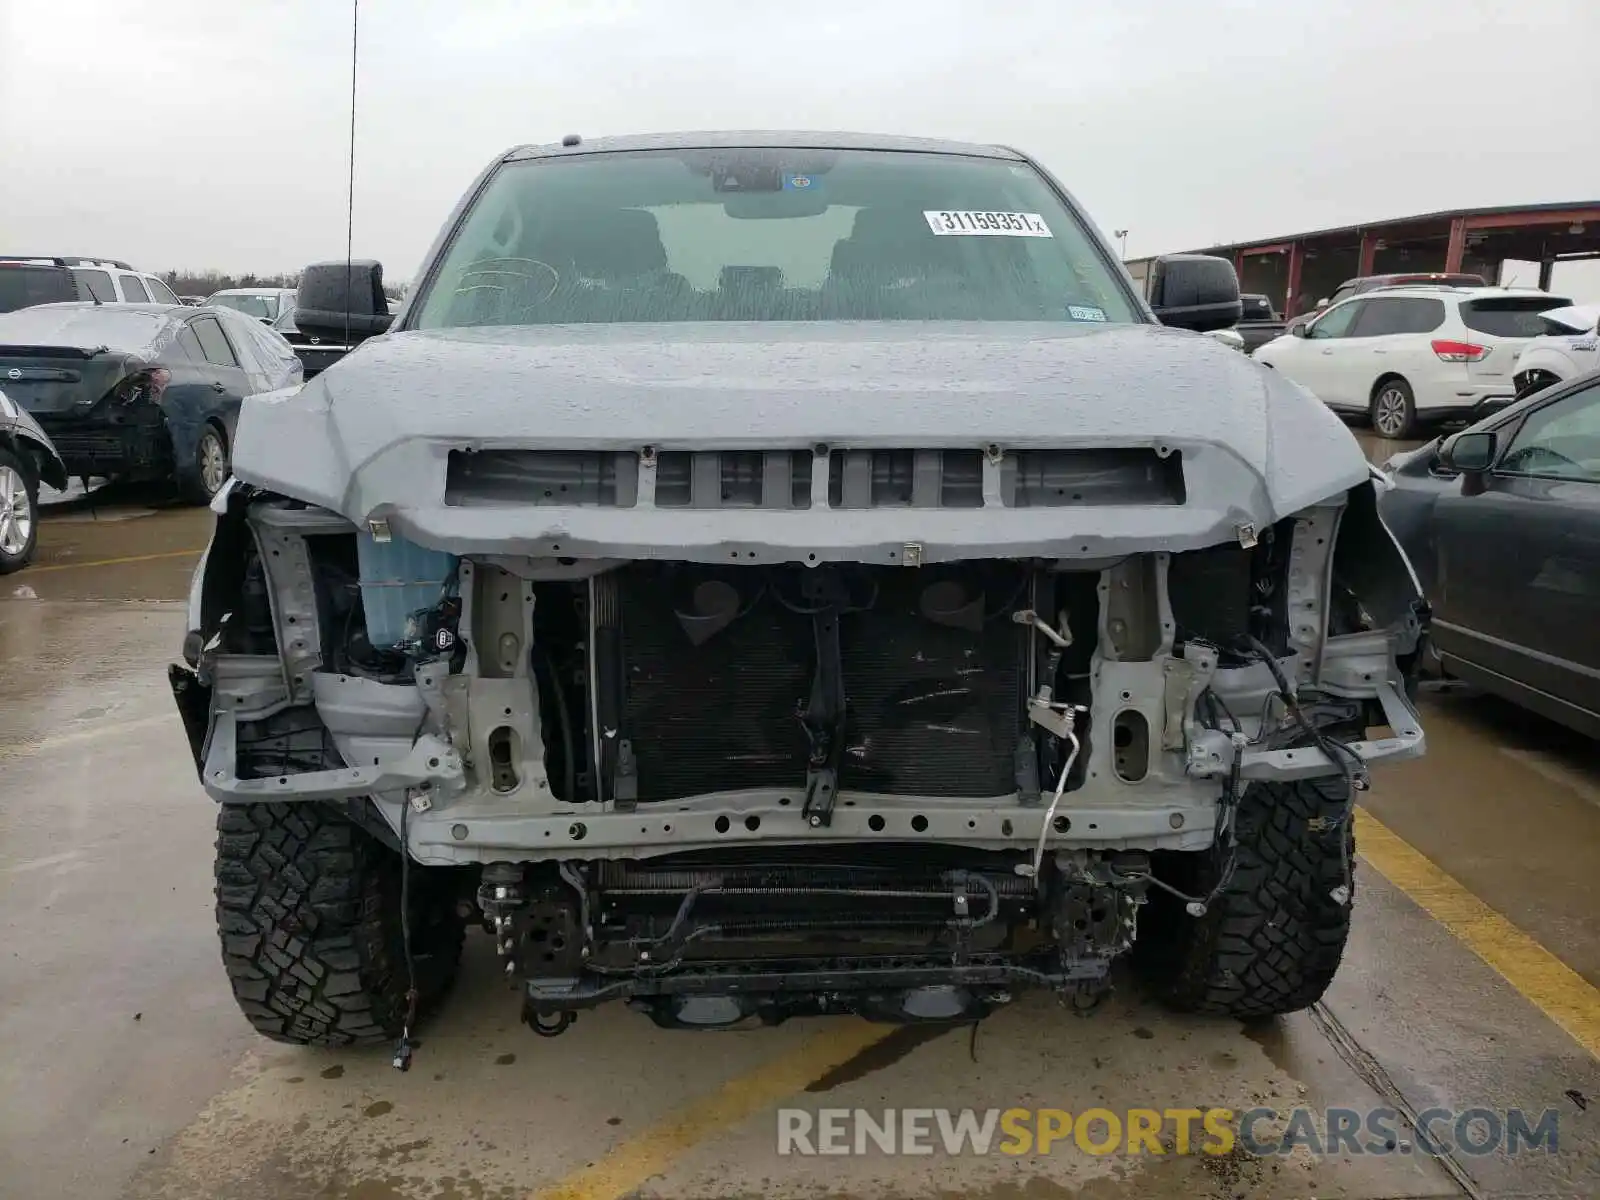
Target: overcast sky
x=188 y=134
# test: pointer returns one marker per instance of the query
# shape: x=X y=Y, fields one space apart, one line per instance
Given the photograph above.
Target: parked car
x=1568 y=345
x=1406 y=356
x=1260 y=323
x=141 y=391
x=26 y=281
x=270 y=306
x=27 y=456
x=884 y=631
x=1502 y=522
x=1366 y=283
x=193 y=301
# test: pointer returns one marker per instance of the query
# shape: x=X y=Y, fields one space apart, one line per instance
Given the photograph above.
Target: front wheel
x=1394 y=409
x=1271 y=940
x=19 y=512
x=308 y=910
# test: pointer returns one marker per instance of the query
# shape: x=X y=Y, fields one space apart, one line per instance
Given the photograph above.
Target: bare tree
x=203 y=283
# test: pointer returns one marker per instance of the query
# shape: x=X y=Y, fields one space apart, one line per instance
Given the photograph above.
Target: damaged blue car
x=141 y=391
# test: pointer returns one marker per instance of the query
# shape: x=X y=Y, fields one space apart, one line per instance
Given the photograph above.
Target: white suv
x=1405 y=355
x=110 y=281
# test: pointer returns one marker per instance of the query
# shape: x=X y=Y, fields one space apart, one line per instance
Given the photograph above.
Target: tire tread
x=307 y=909
x=1272 y=941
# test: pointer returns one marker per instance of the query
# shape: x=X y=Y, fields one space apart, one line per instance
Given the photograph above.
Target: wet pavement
x=125 y=1070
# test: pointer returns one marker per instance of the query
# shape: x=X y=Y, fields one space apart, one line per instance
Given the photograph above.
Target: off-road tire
x=308 y=910
x=1272 y=941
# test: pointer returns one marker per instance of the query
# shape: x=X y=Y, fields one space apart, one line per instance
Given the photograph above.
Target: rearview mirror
x=1195 y=291
x=1469 y=453
x=335 y=298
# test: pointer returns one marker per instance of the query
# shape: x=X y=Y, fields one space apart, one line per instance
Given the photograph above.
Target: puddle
x=879 y=1055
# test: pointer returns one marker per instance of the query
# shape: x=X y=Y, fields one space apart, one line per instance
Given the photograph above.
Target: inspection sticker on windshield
x=1085 y=312
x=988 y=224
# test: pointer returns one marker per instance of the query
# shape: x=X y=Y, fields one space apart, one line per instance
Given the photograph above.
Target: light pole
x=1122 y=236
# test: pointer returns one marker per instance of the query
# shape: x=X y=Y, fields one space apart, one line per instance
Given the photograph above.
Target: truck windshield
x=770 y=235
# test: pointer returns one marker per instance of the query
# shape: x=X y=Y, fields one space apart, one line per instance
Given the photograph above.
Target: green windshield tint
x=770 y=235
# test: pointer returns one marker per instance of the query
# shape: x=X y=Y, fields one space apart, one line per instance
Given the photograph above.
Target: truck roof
x=776 y=139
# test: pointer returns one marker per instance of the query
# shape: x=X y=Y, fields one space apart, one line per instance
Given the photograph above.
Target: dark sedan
x=141 y=391
x=1502 y=523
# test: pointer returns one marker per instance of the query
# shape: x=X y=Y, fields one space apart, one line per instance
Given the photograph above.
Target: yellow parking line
x=115 y=562
x=631 y=1163
x=1558 y=991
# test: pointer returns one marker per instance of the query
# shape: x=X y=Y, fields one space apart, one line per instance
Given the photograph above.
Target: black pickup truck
x=1260 y=323
x=339 y=306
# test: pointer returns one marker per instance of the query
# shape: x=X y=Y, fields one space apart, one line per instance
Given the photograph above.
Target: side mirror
x=334 y=298
x=1469 y=454
x=1298 y=329
x=1195 y=291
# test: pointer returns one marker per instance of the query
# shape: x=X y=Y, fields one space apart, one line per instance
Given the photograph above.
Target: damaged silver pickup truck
x=775 y=574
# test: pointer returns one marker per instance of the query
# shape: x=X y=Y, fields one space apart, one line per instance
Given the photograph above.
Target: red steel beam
x=1369 y=254
x=1569 y=216
x=1296 y=254
x=1274 y=248
x=1458 y=246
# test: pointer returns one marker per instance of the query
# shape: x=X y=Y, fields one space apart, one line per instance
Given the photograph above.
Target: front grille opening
x=734 y=479
x=588 y=478
x=1066 y=478
x=905 y=479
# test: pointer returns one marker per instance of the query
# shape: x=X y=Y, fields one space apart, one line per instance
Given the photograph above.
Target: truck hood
x=1574 y=318
x=370 y=437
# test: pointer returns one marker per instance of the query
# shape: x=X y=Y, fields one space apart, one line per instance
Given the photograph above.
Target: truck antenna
x=350 y=198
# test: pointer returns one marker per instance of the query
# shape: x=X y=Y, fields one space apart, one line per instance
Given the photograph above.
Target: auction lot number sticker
x=987 y=224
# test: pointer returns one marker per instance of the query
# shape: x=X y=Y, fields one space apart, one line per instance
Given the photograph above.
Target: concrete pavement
x=126 y=1072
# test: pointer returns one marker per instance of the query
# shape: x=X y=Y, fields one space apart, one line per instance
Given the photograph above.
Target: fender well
x=223 y=582
x=1549 y=359
x=1369 y=562
x=25 y=438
